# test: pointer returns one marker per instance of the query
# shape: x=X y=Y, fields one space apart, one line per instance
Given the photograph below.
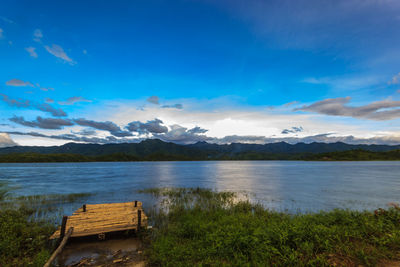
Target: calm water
x=281 y=185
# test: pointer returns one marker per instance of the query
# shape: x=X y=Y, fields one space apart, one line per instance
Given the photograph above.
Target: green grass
x=201 y=227
x=206 y=228
x=26 y=223
x=23 y=242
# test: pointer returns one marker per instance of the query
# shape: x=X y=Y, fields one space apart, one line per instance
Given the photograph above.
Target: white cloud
x=37 y=35
x=347 y=83
x=31 y=51
x=395 y=79
x=7 y=20
x=6 y=141
x=59 y=52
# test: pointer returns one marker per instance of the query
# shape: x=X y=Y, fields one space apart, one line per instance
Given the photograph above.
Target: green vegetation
x=201 y=227
x=205 y=228
x=157 y=150
x=358 y=154
x=351 y=155
x=23 y=242
x=26 y=223
x=36 y=157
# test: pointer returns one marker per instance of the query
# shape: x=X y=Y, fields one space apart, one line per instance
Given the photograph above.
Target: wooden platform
x=104 y=218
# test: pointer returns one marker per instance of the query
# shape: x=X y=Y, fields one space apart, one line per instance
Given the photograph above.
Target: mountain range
x=155 y=149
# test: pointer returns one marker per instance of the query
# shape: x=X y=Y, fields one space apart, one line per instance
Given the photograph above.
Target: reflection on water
x=281 y=185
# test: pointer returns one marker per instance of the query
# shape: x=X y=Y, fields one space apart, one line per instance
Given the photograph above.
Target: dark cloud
x=197 y=130
x=56 y=112
x=86 y=132
x=379 y=110
x=73 y=100
x=75 y=138
x=177 y=106
x=153 y=99
x=104 y=126
x=43 y=123
x=121 y=133
x=182 y=135
x=18 y=82
x=154 y=126
x=292 y=130
x=14 y=102
x=59 y=52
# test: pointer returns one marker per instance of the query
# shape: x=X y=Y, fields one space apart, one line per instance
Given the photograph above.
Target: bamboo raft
x=99 y=219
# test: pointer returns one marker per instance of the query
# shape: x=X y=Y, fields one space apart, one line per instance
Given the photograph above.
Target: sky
x=199 y=70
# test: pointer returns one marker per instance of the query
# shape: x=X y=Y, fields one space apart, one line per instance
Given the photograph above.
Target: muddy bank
x=112 y=252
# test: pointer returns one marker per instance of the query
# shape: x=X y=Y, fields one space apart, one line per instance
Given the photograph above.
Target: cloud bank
x=182 y=135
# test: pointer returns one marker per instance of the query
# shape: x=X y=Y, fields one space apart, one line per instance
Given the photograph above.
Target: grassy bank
x=201 y=227
x=206 y=228
x=26 y=223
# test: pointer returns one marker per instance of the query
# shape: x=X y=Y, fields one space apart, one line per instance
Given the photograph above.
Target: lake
x=295 y=186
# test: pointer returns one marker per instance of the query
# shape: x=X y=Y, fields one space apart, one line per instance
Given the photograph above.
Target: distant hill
x=155 y=149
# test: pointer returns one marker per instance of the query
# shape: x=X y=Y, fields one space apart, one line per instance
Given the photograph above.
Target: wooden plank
x=103 y=218
x=100 y=223
x=60 y=247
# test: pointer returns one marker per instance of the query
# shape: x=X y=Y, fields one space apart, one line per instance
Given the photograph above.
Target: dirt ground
x=113 y=252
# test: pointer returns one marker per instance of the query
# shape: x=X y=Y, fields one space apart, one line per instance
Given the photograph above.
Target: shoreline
x=199 y=226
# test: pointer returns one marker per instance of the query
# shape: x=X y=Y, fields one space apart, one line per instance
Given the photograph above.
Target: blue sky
x=187 y=71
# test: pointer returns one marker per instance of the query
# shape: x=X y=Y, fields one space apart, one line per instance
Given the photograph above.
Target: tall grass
x=206 y=228
x=26 y=223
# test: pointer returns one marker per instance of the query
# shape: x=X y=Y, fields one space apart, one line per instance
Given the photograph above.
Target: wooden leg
x=63 y=225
